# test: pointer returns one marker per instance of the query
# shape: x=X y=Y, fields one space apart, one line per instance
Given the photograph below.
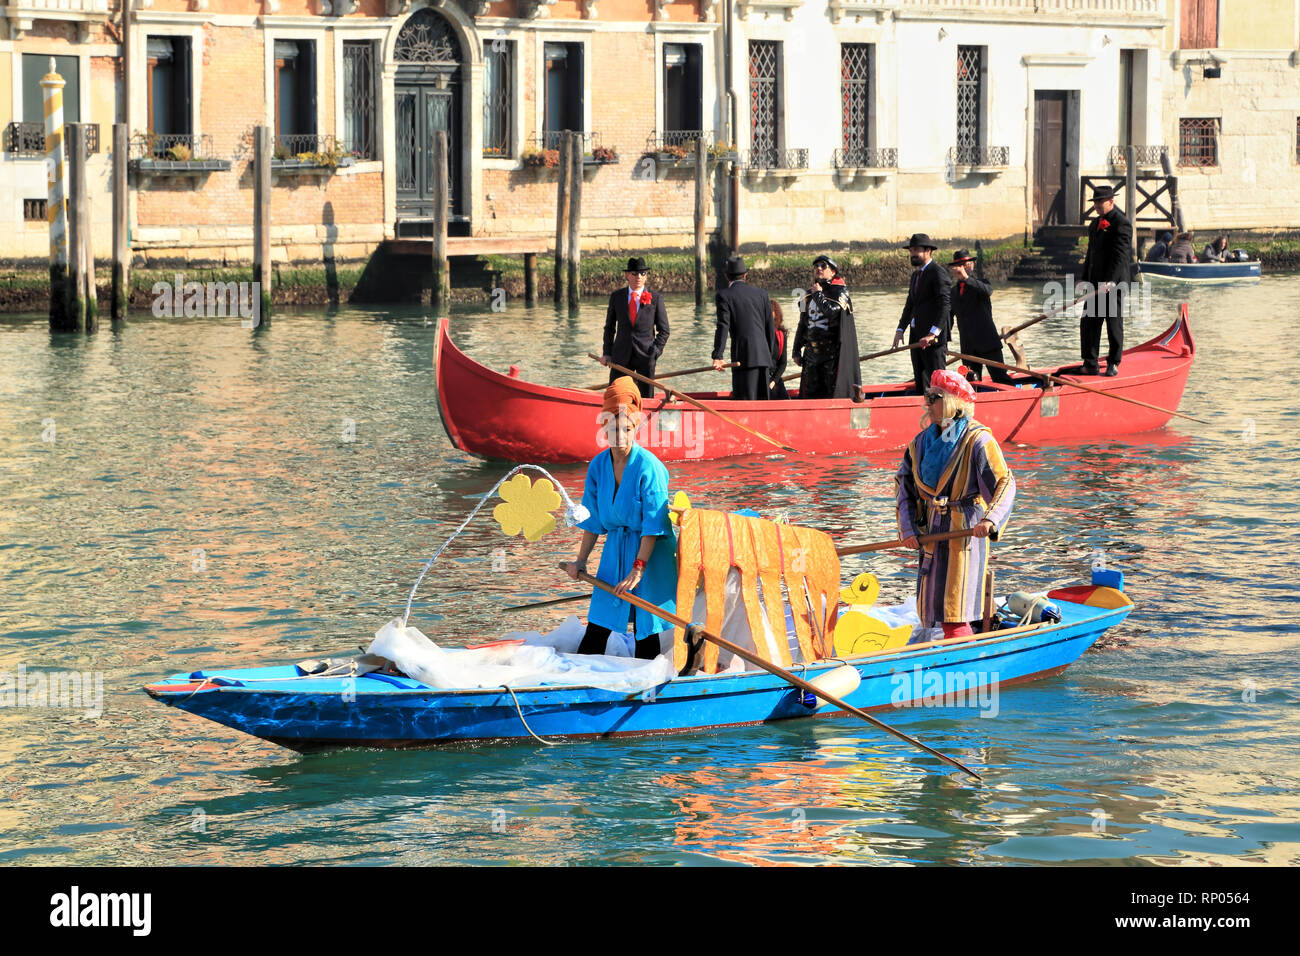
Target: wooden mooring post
x=1131 y=196
x=530 y=278
x=562 y=223
x=1168 y=170
x=440 y=296
x=701 y=210
x=262 y=154
x=63 y=314
x=121 y=254
x=81 y=260
x=575 y=220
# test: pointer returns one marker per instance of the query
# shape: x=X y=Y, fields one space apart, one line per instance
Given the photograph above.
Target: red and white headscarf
x=952 y=384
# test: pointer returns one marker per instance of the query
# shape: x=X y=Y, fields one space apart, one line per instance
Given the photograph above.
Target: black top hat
x=920 y=239
x=830 y=263
x=1103 y=192
x=736 y=266
x=637 y=264
x=961 y=255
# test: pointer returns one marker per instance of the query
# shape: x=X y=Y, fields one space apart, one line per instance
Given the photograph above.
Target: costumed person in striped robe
x=953 y=477
x=627 y=496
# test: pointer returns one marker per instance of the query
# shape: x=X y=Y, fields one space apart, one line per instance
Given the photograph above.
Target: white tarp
x=542 y=659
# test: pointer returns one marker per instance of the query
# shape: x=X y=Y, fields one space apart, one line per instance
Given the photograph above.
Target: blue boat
x=303 y=712
x=1202 y=271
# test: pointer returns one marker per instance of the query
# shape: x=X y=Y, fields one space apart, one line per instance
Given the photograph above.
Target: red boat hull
x=497 y=416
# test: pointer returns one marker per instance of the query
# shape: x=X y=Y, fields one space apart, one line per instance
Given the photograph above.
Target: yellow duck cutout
x=681 y=504
x=858 y=632
x=526 y=507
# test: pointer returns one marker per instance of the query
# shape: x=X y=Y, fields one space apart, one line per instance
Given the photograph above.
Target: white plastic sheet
x=537 y=661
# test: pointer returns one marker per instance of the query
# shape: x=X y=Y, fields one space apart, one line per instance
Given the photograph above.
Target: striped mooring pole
x=63 y=316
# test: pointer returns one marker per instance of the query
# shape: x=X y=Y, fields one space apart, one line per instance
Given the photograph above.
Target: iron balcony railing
x=767 y=158
x=28 y=139
x=864 y=158
x=175 y=153
x=979 y=155
x=551 y=139
x=308 y=148
x=1146 y=155
x=672 y=140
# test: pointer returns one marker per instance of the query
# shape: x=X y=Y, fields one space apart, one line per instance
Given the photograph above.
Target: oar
x=785 y=675
x=1086 y=388
x=663 y=375
x=866 y=358
x=1051 y=315
x=700 y=405
x=897 y=542
x=563 y=600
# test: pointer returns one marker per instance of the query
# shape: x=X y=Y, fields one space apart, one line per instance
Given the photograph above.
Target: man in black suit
x=636 y=326
x=745 y=313
x=927 y=312
x=1106 y=267
x=972 y=308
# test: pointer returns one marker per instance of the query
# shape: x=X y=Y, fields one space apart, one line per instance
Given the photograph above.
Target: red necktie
x=961 y=287
x=631 y=308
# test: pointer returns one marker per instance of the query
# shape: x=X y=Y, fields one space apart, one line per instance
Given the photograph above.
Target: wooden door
x=1049 y=157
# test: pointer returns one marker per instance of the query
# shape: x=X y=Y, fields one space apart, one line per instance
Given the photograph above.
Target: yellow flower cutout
x=527 y=507
x=682 y=503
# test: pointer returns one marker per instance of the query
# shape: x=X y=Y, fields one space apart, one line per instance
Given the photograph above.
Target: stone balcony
x=21 y=14
x=1137 y=12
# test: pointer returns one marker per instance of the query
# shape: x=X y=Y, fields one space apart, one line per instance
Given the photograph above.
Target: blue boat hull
x=1201 y=271
x=305 y=713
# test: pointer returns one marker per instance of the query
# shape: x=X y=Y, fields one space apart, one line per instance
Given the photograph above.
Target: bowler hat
x=830 y=263
x=1103 y=192
x=637 y=264
x=961 y=255
x=921 y=240
x=736 y=266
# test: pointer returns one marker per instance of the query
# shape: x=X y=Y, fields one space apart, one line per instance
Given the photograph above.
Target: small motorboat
x=1245 y=271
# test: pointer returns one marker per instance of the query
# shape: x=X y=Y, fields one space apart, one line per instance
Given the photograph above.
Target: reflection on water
x=186 y=493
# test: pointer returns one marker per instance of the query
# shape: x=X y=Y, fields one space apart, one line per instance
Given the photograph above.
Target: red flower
x=1103 y=223
x=645 y=296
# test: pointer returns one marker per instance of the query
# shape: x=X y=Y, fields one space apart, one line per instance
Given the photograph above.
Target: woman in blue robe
x=627 y=496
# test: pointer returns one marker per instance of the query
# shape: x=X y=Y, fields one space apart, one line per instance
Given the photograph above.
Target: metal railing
x=676 y=139
x=28 y=139
x=292 y=146
x=1146 y=155
x=551 y=138
x=979 y=155
x=172 y=147
x=867 y=158
x=776 y=159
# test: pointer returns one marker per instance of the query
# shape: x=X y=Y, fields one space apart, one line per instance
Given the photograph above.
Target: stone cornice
x=767 y=7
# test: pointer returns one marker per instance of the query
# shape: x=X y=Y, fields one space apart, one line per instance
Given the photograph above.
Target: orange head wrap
x=623 y=392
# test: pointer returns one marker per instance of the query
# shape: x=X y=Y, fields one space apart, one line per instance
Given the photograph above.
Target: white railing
x=1142 y=8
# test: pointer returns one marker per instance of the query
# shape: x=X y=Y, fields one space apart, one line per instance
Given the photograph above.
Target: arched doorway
x=427 y=98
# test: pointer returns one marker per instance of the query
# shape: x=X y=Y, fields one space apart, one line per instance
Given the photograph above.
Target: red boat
x=499 y=416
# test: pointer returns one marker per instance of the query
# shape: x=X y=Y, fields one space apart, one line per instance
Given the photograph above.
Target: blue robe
x=640 y=507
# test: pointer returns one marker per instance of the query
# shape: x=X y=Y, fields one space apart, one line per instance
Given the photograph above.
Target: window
x=563 y=105
x=764 y=102
x=1297 y=139
x=970 y=84
x=359 y=98
x=855 y=102
x=167 y=85
x=683 y=87
x=295 y=90
x=498 y=95
x=1198 y=142
x=35 y=66
x=34 y=210
x=1198 y=24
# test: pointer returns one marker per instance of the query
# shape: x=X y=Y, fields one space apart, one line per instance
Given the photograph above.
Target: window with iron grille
x=1198 y=141
x=970 y=79
x=855 y=101
x=34 y=210
x=359 y=98
x=764 y=101
x=498 y=93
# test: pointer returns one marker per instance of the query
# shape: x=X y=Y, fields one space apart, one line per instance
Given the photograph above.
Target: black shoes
x=1112 y=370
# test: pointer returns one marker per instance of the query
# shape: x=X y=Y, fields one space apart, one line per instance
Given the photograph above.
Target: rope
x=520 y=711
x=570 y=516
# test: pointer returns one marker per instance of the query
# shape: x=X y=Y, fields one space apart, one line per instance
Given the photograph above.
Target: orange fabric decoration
x=712 y=543
x=623 y=391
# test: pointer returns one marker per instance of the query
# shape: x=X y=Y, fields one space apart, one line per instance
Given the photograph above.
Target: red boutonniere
x=1103 y=223
x=645 y=297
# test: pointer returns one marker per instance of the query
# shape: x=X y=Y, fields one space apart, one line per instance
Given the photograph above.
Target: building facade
x=840 y=120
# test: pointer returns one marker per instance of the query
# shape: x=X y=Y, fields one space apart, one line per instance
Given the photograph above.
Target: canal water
x=187 y=493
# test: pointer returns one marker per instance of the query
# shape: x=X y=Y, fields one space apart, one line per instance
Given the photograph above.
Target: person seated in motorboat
x=1182 y=250
x=626 y=495
x=953 y=477
x=1217 y=251
x=1159 y=251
